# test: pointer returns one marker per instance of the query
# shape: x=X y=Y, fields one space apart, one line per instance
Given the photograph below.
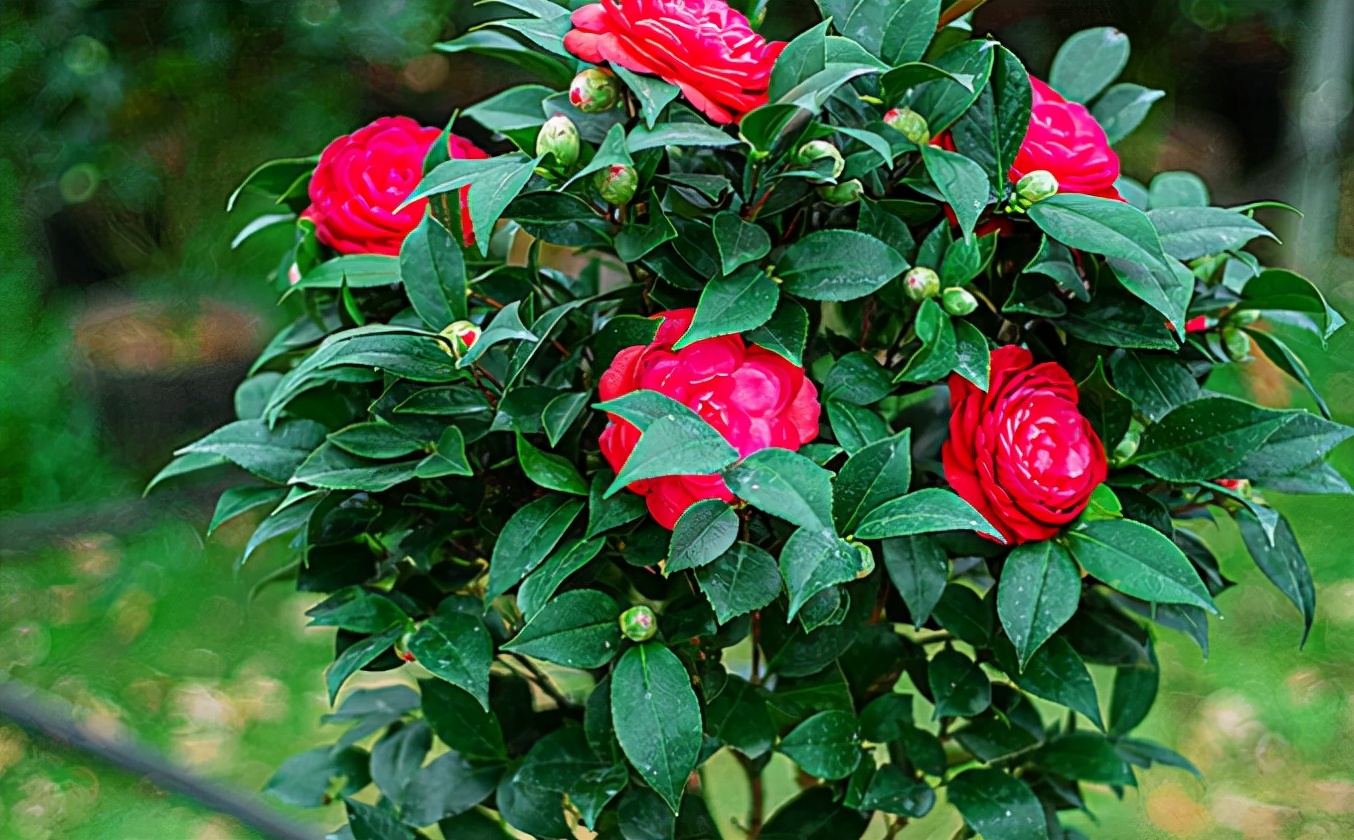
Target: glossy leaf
x=657 y=718
x=1039 y=591
x=1137 y=560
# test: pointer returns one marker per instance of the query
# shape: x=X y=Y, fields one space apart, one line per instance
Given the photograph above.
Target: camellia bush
x=834 y=404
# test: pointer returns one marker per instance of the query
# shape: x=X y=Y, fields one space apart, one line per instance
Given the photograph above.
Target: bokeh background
x=126 y=317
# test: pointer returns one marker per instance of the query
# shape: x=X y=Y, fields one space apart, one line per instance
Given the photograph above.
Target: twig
x=757 y=812
x=755 y=676
x=956 y=11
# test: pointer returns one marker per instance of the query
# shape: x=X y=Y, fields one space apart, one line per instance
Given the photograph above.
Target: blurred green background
x=126 y=318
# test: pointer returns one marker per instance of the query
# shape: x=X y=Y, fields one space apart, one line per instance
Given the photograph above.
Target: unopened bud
x=293 y=274
x=1240 y=486
x=617 y=184
x=402 y=648
x=460 y=336
x=1237 y=342
x=958 y=302
x=595 y=90
x=847 y=192
x=559 y=137
x=821 y=156
x=910 y=124
x=921 y=283
x=1036 y=186
x=1197 y=324
x=866 y=560
x=1243 y=317
x=638 y=624
x=1127 y=447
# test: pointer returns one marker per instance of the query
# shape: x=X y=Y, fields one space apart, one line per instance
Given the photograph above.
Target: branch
x=956 y=11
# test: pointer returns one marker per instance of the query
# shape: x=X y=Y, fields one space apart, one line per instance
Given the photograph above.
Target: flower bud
x=811 y=153
x=958 y=302
x=1243 y=317
x=460 y=337
x=1237 y=342
x=595 y=90
x=866 y=560
x=921 y=283
x=1127 y=447
x=293 y=274
x=402 y=648
x=617 y=184
x=1240 y=486
x=638 y=624
x=1036 y=186
x=910 y=124
x=1197 y=324
x=847 y=192
x=559 y=137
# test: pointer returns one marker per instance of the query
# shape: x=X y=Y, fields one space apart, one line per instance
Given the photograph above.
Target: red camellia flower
x=1065 y=139
x=1021 y=452
x=750 y=395
x=363 y=177
x=701 y=46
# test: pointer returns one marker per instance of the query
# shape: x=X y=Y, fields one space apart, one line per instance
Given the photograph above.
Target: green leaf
x=561 y=412
x=496 y=182
x=1054 y=260
x=895 y=792
x=1138 y=560
x=376 y=439
x=1122 y=109
x=939 y=353
x=784 y=484
x=786 y=333
x=457 y=648
x=707 y=530
x=304 y=780
x=432 y=270
x=447 y=458
x=506 y=326
x=738 y=718
x=1206 y=438
x=541 y=584
x=813 y=267
x=1100 y=226
x=996 y=805
x=183 y=465
x=514 y=109
x=354 y=608
x=461 y=722
x=858 y=379
x=678 y=443
x=235 y=501
x=992 y=131
x=358 y=656
x=677 y=134
x=743 y=579
x=1188 y=233
x=1167 y=288
x=356 y=271
x=1085 y=756
x=966 y=615
x=909 y=30
x=1177 y=189
x=577 y=629
x=801 y=59
x=738 y=303
x=275 y=178
x=548 y=470
x=1283 y=563
x=1286 y=360
x=657 y=718
x=969 y=67
x=826 y=746
x=504 y=47
x=924 y=512
x=815 y=815
x=446 y=787
x=1134 y=692
x=1088 y=61
x=1055 y=673
x=919 y=569
x=526 y=539
x=739 y=242
x=607 y=513
x=812 y=561
x=1277 y=290
x=1299 y=445
x=396 y=758
x=375 y=822
x=960 y=687
x=1039 y=591
x=974 y=353
x=1155 y=384
x=1109 y=411
x=333 y=469
x=652 y=94
x=876 y=474
x=963 y=183
x=272 y=454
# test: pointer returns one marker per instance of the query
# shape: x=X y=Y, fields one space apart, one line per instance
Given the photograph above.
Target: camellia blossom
x=753 y=397
x=1066 y=141
x=1021 y=452
x=702 y=46
x=363 y=177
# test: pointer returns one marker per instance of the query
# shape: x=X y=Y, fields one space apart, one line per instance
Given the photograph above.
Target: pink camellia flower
x=1021 y=452
x=750 y=395
x=701 y=46
x=1197 y=324
x=1065 y=140
x=363 y=177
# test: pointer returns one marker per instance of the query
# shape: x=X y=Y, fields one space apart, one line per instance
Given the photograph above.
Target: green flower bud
x=910 y=124
x=1243 y=317
x=617 y=184
x=595 y=90
x=638 y=624
x=402 y=647
x=1237 y=342
x=1036 y=186
x=813 y=152
x=460 y=336
x=1127 y=447
x=559 y=137
x=866 y=559
x=847 y=192
x=921 y=283
x=958 y=302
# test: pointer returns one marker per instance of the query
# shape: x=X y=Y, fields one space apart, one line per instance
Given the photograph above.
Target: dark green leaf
x=924 y=512
x=396 y=758
x=963 y=183
x=657 y=718
x=858 y=379
x=876 y=474
x=1191 y=232
x=461 y=722
x=945 y=100
x=1177 y=189
x=457 y=648
x=1207 y=438
x=446 y=787
x=1283 y=563
x=744 y=301
x=707 y=530
x=1056 y=673
x=919 y=568
x=271 y=453
x=235 y=501
x=1100 y=226
x=784 y=484
x=738 y=718
x=739 y=242
x=653 y=94
x=304 y=779
x=997 y=806
x=1135 y=690
x=358 y=656
x=1155 y=384
x=432 y=270
x=577 y=629
x=506 y=326
x=1088 y=61
x=548 y=470
x=991 y=132
x=333 y=469
x=786 y=333
x=514 y=109
x=743 y=579
x=605 y=514
x=967 y=616
x=541 y=584
x=1138 y=560
x=375 y=822
x=447 y=458
x=1277 y=290
x=1122 y=108
x=679 y=443
x=894 y=792
x=1039 y=591
x=496 y=182
x=526 y=539
x=801 y=58
x=1109 y=411
x=814 y=560
x=960 y=687
x=1085 y=756
x=813 y=267
x=826 y=746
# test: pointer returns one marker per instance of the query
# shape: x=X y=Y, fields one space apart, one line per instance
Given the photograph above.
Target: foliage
x=451 y=504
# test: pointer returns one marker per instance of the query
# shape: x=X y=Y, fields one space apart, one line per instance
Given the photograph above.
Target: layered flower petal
x=1065 y=140
x=1021 y=452
x=753 y=397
